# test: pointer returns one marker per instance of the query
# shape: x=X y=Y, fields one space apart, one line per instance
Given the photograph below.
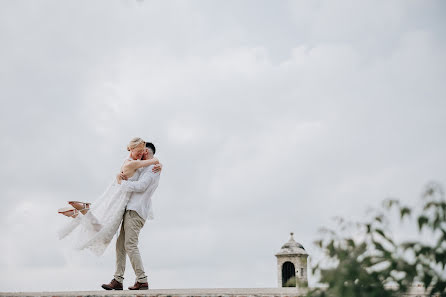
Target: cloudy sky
x=269 y=117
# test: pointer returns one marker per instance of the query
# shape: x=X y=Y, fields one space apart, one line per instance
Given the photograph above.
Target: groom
x=138 y=210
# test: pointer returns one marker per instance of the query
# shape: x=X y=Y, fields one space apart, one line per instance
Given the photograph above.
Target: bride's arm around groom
x=150 y=174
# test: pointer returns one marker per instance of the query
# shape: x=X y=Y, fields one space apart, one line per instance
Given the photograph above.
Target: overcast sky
x=270 y=117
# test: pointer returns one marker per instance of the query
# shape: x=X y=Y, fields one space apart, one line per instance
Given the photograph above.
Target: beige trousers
x=127 y=243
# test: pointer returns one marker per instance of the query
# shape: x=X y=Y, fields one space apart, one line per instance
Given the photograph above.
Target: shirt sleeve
x=139 y=185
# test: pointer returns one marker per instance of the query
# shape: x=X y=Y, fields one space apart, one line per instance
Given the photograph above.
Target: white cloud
x=265 y=125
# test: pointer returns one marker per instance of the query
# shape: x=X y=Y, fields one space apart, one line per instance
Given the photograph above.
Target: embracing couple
x=128 y=200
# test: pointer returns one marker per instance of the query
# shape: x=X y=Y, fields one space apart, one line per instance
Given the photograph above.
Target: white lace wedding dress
x=96 y=228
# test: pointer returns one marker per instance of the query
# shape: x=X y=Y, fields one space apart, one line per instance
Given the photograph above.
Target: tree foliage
x=371 y=263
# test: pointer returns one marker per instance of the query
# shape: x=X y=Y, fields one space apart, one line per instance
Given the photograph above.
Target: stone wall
x=224 y=292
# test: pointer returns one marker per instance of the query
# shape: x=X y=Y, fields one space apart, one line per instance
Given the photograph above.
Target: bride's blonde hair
x=134 y=143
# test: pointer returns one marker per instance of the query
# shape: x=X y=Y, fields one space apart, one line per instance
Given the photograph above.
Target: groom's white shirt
x=143 y=189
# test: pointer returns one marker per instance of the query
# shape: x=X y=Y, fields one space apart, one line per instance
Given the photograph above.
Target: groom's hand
x=157 y=168
x=123 y=176
x=120 y=177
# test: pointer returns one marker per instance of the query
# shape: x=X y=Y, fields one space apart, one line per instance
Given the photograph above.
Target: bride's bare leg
x=70 y=213
x=83 y=207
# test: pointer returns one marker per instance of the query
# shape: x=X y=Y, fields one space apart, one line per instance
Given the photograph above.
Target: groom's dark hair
x=151 y=146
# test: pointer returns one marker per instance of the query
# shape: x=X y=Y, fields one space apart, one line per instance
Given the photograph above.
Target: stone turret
x=292 y=264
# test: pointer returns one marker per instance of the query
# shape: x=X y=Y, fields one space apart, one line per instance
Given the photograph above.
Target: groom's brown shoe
x=113 y=285
x=139 y=286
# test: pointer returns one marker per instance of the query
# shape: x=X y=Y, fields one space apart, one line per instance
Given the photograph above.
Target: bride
x=94 y=224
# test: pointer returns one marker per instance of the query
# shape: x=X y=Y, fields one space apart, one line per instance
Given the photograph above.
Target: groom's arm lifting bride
x=138 y=210
x=137 y=161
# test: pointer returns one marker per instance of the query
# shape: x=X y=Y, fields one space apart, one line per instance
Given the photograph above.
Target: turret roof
x=292 y=248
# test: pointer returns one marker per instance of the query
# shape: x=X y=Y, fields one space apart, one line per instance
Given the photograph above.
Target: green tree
x=371 y=263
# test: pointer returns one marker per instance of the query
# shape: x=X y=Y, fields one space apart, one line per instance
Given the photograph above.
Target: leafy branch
x=372 y=264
